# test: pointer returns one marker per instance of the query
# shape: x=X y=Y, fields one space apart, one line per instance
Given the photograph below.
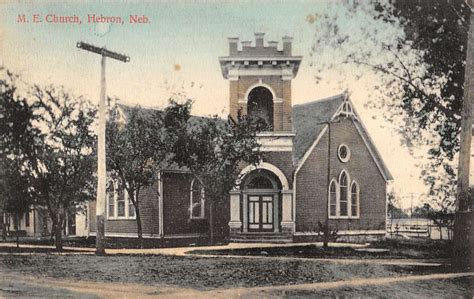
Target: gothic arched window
x=344 y=200
x=343 y=190
x=354 y=199
x=332 y=199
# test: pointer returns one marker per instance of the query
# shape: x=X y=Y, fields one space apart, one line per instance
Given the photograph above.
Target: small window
x=120 y=203
x=86 y=215
x=27 y=218
x=131 y=209
x=332 y=199
x=111 y=200
x=197 y=202
x=354 y=199
x=343 y=153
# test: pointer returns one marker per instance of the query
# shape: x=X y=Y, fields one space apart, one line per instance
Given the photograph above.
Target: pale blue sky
x=189 y=34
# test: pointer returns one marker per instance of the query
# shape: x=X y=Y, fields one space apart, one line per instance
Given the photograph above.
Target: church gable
x=357 y=189
x=311 y=123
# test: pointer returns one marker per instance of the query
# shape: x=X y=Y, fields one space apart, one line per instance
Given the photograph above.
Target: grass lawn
x=8 y=249
x=89 y=242
x=194 y=272
x=377 y=250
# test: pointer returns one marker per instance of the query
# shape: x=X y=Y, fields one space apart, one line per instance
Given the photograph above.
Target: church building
x=319 y=166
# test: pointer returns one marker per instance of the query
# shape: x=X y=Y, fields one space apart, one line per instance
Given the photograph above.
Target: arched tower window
x=343 y=188
x=260 y=104
x=354 y=199
x=332 y=199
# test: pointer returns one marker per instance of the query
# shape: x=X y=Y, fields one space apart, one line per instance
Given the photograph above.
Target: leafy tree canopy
x=139 y=143
x=414 y=53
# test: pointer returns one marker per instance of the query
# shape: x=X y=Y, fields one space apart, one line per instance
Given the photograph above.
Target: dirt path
x=352 y=283
x=67 y=288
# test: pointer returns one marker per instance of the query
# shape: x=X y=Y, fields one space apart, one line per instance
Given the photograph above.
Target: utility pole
x=101 y=158
x=326 y=226
x=463 y=238
x=411 y=194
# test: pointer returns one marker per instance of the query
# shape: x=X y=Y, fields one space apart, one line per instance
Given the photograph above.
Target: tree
x=15 y=193
x=393 y=207
x=423 y=211
x=18 y=140
x=62 y=167
x=415 y=51
x=213 y=151
x=136 y=146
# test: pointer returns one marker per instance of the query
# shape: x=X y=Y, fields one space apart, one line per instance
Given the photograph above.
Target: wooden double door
x=261 y=213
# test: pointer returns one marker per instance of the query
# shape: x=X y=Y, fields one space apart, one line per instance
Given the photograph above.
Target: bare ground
x=420 y=286
x=177 y=275
x=197 y=272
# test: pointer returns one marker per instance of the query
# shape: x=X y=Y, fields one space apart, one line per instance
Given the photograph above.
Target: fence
x=418 y=228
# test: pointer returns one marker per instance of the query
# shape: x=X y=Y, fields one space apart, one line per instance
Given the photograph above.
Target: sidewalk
x=184 y=251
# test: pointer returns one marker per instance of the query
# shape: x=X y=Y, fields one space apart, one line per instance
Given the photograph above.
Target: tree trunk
x=17 y=230
x=211 y=222
x=4 y=228
x=326 y=233
x=4 y=224
x=53 y=229
x=58 y=237
x=139 y=225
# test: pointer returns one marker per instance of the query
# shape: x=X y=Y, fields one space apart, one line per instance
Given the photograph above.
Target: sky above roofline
x=177 y=52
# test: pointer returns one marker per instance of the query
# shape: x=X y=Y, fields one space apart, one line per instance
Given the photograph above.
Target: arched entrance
x=261 y=191
x=261 y=202
x=260 y=104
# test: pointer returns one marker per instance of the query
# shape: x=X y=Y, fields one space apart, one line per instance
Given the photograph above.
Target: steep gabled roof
x=309 y=120
x=194 y=121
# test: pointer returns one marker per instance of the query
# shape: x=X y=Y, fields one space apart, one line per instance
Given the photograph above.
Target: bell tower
x=260 y=80
x=260 y=77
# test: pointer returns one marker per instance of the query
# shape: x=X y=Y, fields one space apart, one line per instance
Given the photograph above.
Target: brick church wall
x=284 y=162
x=176 y=194
x=312 y=184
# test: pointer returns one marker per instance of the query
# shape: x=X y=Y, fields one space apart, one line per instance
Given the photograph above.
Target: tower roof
x=260 y=58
